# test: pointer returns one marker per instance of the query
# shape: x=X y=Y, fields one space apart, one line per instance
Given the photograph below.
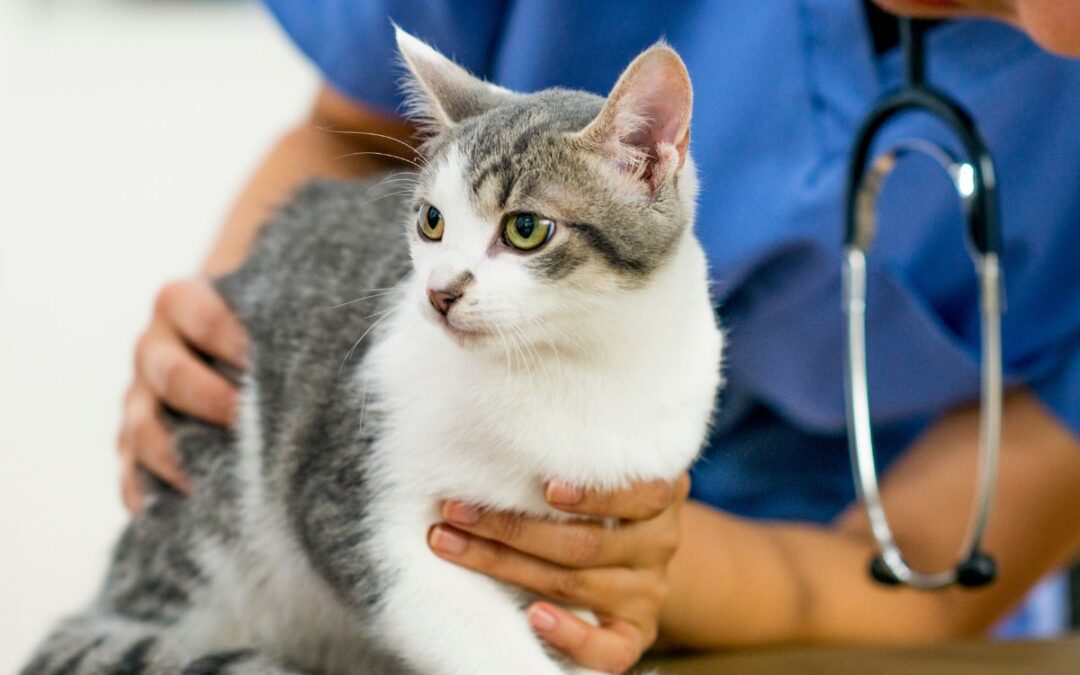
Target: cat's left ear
x=644 y=126
x=440 y=92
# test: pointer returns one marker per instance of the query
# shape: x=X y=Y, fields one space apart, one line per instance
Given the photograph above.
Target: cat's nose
x=442 y=299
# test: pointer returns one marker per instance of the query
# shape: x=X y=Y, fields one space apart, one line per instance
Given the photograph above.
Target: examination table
x=1010 y=658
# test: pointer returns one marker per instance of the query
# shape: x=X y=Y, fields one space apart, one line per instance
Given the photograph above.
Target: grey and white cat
x=549 y=318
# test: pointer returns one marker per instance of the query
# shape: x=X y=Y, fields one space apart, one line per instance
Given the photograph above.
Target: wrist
x=734 y=583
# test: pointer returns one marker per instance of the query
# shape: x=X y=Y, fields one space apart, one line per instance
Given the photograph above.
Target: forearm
x=315 y=147
x=740 y=582
x=736 y=582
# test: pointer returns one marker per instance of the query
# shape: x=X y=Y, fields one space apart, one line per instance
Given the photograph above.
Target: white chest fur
x=460 y=423
x=633 y=405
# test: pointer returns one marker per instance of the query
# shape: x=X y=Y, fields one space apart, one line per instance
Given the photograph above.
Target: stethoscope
x=974 y=181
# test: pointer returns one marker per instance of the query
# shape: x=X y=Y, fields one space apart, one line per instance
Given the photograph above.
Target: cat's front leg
x=447 y=620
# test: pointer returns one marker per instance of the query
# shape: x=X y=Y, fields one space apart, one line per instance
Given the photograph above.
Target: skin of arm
x=736 y=582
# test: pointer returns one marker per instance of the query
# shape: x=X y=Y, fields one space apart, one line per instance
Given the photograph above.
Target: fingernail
x=447 y=541
x=461 y=513
x=562 y=494
x=541 y=619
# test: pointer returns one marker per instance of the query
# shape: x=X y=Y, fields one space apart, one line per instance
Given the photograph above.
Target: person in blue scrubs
x=772 y=548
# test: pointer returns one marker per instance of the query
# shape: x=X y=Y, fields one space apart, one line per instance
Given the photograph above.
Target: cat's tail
x=91 y=645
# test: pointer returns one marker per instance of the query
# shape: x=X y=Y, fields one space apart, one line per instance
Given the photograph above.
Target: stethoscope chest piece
x=973 y=179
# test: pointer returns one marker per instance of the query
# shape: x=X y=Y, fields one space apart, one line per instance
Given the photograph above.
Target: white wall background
x=125 y=129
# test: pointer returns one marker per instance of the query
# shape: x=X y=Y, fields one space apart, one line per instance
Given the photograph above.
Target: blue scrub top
x=779 y=90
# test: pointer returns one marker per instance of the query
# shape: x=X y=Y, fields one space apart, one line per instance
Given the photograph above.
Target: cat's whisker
x=373 y=290
x=533 y=347
x=387 y=311
x=506 y=353
x=385 y=288
x=558 y=356
x=380 y=154
x=529 y=349
x=536 y=350
x=509 y=356
x=524 y=358
x=346 y=132
x=400 y=174
x=381 y=197
x=395 y=177
x=364 y=335
x=398 y=191
x=363 y=406
x=512 y=352
x=366 y=297
x=399 y=183
x=570 y=338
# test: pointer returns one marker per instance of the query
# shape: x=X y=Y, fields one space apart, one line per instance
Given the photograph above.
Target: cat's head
x=535 y=213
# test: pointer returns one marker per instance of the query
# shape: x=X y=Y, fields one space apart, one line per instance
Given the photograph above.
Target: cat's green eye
x=430 y=223
x=527 y=231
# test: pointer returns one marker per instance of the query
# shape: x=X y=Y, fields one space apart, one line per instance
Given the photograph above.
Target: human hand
x=189 y=316
x=620 y=573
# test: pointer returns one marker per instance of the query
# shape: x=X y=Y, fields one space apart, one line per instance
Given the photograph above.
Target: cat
x=547 y=318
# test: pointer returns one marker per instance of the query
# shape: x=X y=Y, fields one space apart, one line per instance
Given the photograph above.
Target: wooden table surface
x=1013 y=658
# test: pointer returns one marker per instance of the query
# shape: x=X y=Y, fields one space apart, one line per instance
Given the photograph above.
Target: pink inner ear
x=662 y=99
x=650 y=112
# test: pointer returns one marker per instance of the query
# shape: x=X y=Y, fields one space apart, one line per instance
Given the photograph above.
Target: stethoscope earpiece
x=978 y=570
x=881 y=573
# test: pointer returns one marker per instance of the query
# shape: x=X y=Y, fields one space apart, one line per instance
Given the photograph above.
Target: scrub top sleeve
x=352 y=42
x=1060 y=390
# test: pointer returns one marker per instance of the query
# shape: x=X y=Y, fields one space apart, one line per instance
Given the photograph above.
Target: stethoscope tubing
x=975 y=183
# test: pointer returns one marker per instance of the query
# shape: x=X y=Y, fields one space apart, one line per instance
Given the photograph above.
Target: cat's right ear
x=439 y=92
x=644 y=126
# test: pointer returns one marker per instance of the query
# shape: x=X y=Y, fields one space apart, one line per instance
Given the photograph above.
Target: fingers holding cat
x=640 y=501
x=576 y=544
x=144 y=442
x=619 y=572
x=189 y=318
x=613 y=647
